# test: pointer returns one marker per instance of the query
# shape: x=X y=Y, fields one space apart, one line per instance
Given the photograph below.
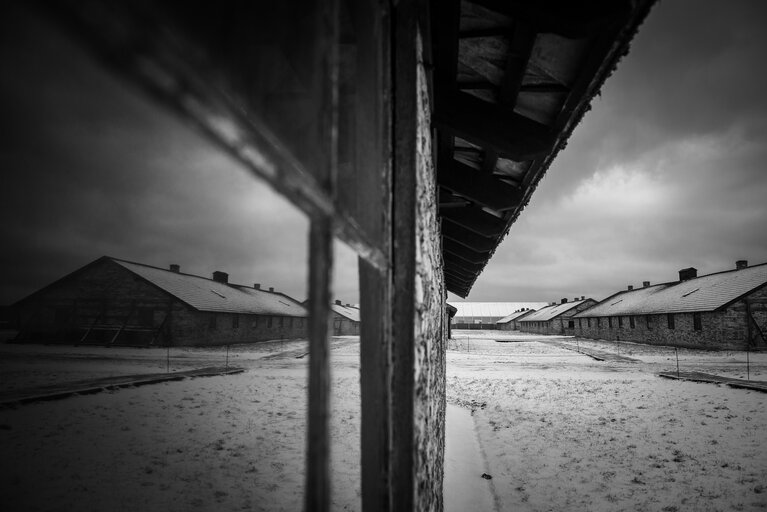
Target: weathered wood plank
x=373 y=151
x=405 y=129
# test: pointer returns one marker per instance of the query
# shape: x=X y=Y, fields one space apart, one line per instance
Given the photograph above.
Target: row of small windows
x=612 y=322
x=268 y=321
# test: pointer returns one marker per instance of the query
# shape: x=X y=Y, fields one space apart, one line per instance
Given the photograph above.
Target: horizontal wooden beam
x=474 y=219
x=571 y=19
x=466 y=237
x=493 y=127
x=483 y=188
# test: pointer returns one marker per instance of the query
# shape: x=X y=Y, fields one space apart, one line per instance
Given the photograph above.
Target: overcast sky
x=666 y=171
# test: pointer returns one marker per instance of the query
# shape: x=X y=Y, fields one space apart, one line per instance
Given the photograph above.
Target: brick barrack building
x=725 y=310
x=117 y=302
x=554 y=318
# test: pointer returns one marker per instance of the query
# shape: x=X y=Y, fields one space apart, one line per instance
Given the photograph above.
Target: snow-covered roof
x=496 y=309
x=208 y=295
x=551 y=312
x=515 y=315
x=347 y=311
x=704 y=293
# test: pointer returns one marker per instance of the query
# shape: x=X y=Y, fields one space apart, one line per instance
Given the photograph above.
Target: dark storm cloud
x=666 y=170
x=92 y=168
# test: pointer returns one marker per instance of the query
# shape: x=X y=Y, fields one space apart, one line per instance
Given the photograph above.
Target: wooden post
x=373 y=167
x=326 y=47
x=317 y=495
x=405 y=124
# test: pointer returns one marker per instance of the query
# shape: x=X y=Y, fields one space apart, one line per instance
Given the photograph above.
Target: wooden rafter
x=476 y=220
x=464 y=252
x=481 y=187
x=466 y=237
x=494 y=127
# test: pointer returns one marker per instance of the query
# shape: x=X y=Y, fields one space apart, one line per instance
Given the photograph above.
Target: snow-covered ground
x=557 y=429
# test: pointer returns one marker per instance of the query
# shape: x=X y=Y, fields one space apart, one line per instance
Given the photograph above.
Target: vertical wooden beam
x=373 y=164
x=405 y=127
x=317 y=492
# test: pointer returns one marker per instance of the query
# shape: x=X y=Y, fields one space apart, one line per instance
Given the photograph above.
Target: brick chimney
x=338 y=303
x=630 y=287
x=583 y=297
x=645 y=284
x=271 y=289
x=741 y=264
x=575 y=299
x=257 y=286
x=564 y=301
x=220 y=277
x=688 y=273
x=174 y=267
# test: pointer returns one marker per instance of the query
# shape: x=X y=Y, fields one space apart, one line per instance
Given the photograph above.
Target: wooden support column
x=372 y=130
x=317 y=492
x=405 y=129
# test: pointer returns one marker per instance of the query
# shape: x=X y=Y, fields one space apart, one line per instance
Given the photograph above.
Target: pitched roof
x=350 y=312
x=497 y=309
x=515 y=315
x=551 y=312
x=206 y=294
x=704 y=293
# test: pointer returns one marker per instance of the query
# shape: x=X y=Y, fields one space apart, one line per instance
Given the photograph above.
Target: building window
x=648 y=321
x=599 y=322
x=610 y=322
x=269 y=322
x=235 y=321
x=670 y=320
x=631 y=322
x=620 y=322
x=571 y=324
x=588 y=322
x=282 y=321
x=697 y=323
x=212 y=321
x=580 y=323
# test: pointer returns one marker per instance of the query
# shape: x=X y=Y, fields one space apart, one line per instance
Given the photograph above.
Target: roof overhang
x=511 y=80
